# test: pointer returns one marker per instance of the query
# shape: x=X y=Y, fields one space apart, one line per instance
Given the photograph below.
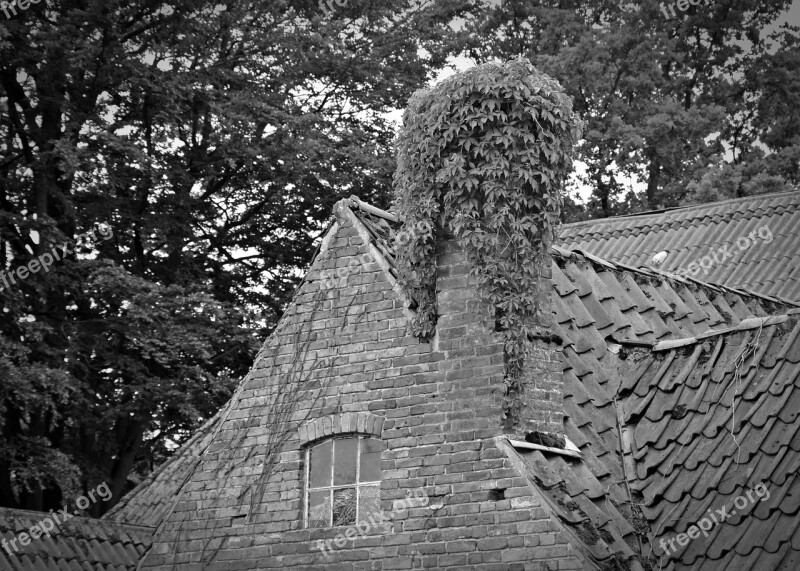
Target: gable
x=340 y=354
x=149 y=502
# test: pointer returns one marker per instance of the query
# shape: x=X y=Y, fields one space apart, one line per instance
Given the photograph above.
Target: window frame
x=331 y=488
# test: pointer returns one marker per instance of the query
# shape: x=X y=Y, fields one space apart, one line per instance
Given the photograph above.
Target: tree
x=213 y=139
x=662 y=97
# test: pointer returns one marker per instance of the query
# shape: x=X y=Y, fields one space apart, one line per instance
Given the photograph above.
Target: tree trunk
x=653 y=178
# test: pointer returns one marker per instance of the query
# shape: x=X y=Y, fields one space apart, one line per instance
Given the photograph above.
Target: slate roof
x=689 y=233
x=79 y=543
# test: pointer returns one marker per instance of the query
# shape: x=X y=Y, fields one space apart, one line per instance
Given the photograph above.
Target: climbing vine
x=482 y=156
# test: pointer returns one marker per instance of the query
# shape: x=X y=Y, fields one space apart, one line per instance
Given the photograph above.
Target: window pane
x=320 y=465
x=344 y=461
x=369 y=503
x=319 y=508
x=344 y=506
x=370 y=470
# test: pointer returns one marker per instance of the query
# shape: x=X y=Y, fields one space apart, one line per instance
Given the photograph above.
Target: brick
x=492 y=543
x=461 y=545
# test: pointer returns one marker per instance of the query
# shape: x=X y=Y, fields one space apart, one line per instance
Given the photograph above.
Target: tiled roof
x=709 y=422
x=608 y=317
x=149 y=502
x=79 y=543
x=597 y=514
x=688 y=234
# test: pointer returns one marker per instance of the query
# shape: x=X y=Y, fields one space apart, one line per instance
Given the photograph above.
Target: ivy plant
x=482 y=157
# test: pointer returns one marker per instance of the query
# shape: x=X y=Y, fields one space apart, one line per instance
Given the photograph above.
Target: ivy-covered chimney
x=482 y=158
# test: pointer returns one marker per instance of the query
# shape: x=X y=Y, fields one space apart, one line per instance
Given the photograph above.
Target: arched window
x=343 y=477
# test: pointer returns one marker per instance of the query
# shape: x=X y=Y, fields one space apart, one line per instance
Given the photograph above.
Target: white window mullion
x=308 y=490
x=358 y=471
x=333 y=463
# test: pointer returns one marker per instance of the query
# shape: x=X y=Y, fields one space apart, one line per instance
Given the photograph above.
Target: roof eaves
x=712 y=286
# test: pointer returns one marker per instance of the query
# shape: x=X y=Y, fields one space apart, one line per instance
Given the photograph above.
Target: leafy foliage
x=214 y=139
x=483 y=156
x=665 y=100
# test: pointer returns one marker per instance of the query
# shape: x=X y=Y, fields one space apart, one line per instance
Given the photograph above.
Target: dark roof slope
x=149 y=502
x=79 y=543
x=610 y=317
x=770 y=264
x=712 y=420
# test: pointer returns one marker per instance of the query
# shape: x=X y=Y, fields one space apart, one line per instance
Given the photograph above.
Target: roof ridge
x=652 y=272
x=374 y=210
x=354 y=201
x=653 y=213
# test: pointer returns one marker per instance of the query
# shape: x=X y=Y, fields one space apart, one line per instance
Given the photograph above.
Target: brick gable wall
x=345 y=355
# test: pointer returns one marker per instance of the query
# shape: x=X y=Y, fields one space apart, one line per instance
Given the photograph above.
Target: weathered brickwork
x=347 y=423
x=543 y=389
x=340 y=359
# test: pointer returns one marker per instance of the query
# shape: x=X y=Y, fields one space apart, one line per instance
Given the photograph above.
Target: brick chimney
x=465 y=334
x=543 y=379
x=495 y=136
